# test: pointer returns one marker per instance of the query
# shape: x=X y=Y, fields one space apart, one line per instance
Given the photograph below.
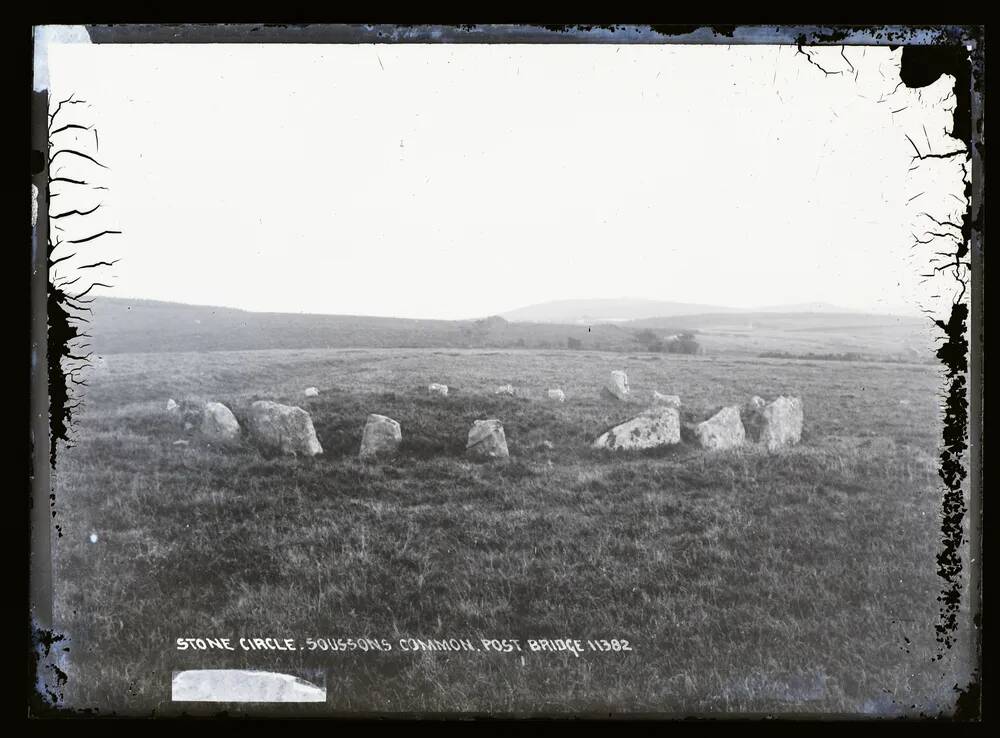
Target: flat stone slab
x=658 y=426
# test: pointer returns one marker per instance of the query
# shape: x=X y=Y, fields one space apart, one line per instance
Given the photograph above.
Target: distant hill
x=619 y=310
x=606 y=310
x=803 y=307
x=775 y=321
x=122 y=325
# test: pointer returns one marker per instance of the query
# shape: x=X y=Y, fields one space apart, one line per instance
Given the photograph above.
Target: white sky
x=455 y=181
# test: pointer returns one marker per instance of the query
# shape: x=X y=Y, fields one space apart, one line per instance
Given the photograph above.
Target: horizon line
x=713 y=310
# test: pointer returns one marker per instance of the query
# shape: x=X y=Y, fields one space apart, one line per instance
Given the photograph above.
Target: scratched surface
x=944 y=231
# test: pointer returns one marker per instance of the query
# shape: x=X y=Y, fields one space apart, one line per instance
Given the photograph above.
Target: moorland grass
x=796 y=582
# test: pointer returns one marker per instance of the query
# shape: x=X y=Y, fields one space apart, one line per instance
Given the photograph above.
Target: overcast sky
x=455 y=181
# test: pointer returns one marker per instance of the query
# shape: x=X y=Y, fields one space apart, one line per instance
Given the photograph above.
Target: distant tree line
x=845 y=356
x=680 y=343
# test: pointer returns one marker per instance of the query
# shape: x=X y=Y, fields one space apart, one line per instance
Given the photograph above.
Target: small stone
x=438 y=389
x=557 y=394
x=311 y=392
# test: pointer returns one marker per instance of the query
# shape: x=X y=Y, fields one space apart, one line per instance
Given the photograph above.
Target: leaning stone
x=284 y=428
x=381 y=437
x=722 y=431
x=218 y=423
x=311 y=392
x=617 y=386
x=438 y=389
x=658 y=426
x=487 y=440
x=557 y=394
x=672 y=400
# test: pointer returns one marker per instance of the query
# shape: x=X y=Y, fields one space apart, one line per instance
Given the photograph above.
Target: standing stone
x=723 y=430
x=557 y=394
x=438 y=389
x=617 y=386
x=284 y=428
x=218 y=423
x=783 y=423
x=658 y=426
x=381 y=437
x=753 y=419
x=311 y=392
x=774 y=424
x=487 y=440
x=671 y=400
x=505 y=389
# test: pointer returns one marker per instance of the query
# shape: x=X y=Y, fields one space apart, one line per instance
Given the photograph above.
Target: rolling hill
x=606 y=310
x=625 y=309
x=123 y=325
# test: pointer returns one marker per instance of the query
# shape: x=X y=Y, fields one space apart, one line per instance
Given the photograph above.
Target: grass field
x=802 y=581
